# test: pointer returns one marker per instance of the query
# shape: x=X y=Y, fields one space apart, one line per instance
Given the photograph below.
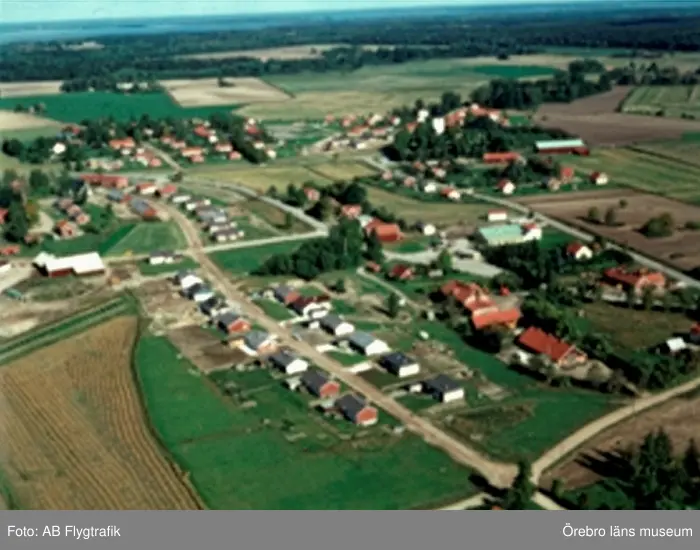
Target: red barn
x=500 y=158
x=386 y=232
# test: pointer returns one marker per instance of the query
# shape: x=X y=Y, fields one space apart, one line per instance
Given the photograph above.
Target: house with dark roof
x=288 y=362
x=367 y=344
x=213 y=307
x=259 y=341
x=313 y=307
x=232 y=323
x=319 y=384
x=444 y=389
x=400 y=364
x=336 y=325
x=560 y=353
x=286 y=295
x=357 y=411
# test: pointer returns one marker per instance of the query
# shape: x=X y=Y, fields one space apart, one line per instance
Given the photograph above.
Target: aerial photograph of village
x=433 y=258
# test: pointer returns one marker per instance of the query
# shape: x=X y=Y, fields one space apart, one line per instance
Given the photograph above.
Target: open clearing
x=672 y=101
x=206 y=92
x=263 y=447
x=262 y=178
x=285 y=53
x=245 y=260
x=679 y=250
x=679 y=418
x=10 y=121
x=149 y=237
x=74 y=436
x=22 y=89
x=682 y=152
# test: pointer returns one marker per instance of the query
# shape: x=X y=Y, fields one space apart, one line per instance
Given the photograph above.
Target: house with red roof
x=506 y=187
x=579 y=251
x=351 y=211
x=146 y=188
x=401 y=272
x=118 y=144
x=167 y=190
x=202 y=132
x=223 y=148
x=373 y=267
x=411 y=127
x=10 y=250
x=385 y=232
x=637 y=280
x=234 y=155
x=483 y=311
x=562 y=354
x=312 y=194
x=501 y=158
x=192 y=151
x=566 y=173
x=450 y=193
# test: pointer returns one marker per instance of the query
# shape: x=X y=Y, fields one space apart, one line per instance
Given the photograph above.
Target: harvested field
x=285 y=53
x=23 y=121
x=204 y=349
x=680 y=250
x=680 y=152
x=342 y=171
x=21 y=89
x=74 y=435
x=263 y=177
x=670 y=101
x=679 y=418
x=206 y=92
x=607 y=102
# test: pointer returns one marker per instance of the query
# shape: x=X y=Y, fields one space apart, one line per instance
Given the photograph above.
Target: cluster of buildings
x=386 y=232
x=360 y=132
x=131 y=151
x=215 y=221
x=67 y=228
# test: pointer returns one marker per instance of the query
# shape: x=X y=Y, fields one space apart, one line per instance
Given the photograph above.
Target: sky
x=20 y=11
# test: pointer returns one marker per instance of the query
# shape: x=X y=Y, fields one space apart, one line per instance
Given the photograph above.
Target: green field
x=148 y=237
x=79 y=106
x=89 y=242
x=275 y=310
x=237 y=461
x=672 y=101
x=245 y=260
x=514 y=71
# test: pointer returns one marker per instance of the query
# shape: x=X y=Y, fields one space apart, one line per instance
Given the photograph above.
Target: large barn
x=80 y=264
x=562 y=147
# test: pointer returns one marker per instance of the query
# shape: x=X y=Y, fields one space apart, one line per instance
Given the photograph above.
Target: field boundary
x=290 y=95
x=643 y=151
x=621 y=106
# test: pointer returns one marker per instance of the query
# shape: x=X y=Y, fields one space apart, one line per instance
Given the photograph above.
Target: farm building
x=336 y=325
x=444 y=389
x=367 y=344
x=499 y=158
x=288 y=362
x=483 y=311
x=143 y=209
x=213 y=307
x=561 y=147
x=579 y=252
x=319 y=385
x=162 y=257
x=637 y=280
x=232 y=323
x=80 y=264
x=260 y=342
x=509 y=233
x=506 y=187
x=400 y=364
x=497 y=215
x=356 y=410
x=559 y=352
x=385 y=232
x=313 y=307
x=286 y=294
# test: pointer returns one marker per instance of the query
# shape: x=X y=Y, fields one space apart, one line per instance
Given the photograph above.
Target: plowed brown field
x=72 y=431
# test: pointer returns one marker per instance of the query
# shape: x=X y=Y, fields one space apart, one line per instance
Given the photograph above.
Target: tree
x=444 y=261
x=611 y=217
x=340 y=286
x=17 y=226
x=623 y=203
x=272 y=192
x=691 y=460
x=393 y=305
x=648 y=298
x=375 y=252
x=288 y=220
x=593 y=215
x=520 y=494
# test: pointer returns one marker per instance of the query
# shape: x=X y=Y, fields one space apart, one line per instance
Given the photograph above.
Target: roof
x=80 y=263
x=401 y=270
x=499 y=232
x=396 y=359
x=228 y=318
x=675 y=344
x=140 y=206
x=632 y=278
x=362 y=339
x=556 y=143
x=351 y=405
x=508 y=155
x=442 y=383
x=314 y=379
x=283 y=358
x=284 y=290
x=498 y=317
x=332 y=321
x=575 y=247
x=256 y=338
x=546 y=344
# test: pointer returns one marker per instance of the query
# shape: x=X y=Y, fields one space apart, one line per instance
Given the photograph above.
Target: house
x=385 y=232
x=143 y=208
x=232 y=323
x=566 y=173
x=288 y=362
x=168 y=190
x=190 y=152
x=319 y=385
x=200 y=293
x=637 y=280
x=451 y=193
x=501 y=158
x=259 y=342
x=367 y=344
x=674 y=345
x=351 y=211
x=120 y=144
x=79 y=264
x=400 y=364
x=105 y=180
x=561 y=146
x=560 y=353
x=579 y=252
x=429 y=187
x=65 y=229
x=223 y=148
x=506 y=187
x=497 y=215
x=211 y=215
x=213 y=307
x=115 y=195
x=162 y=257
x=10 y=250
x=286 y=294
x=312 y=195
x=373 y=267
x=180 y=199
x=188 y=281
x=599 y=178
x=234 y=155
x=146 y=188
x=427 y=229
x=401 y=272
x=356 y=410
x=552 y=184
x=196 y=159
x=531 y=232
x=444 y=389
x=409 y=181
x=336 y=325
x=482 y=309
x=313 y=307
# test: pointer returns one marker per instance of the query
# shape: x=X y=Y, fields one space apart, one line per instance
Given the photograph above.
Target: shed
x=336 y=325
x=288 y=362
x=367 y=344
x=444 y=389
x=356 y=410
x=400 y=364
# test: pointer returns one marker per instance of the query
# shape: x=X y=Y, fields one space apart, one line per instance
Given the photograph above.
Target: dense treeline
x=430 y=37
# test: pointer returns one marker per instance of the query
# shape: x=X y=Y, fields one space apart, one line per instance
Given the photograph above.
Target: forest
x=405 y=39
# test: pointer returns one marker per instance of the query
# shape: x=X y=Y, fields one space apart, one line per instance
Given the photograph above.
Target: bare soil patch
x=287 y=52
x=206 y=92
x=679 y=250
x=23 y=121
x=204 y=349
x=680 y=418
x=597 y=104
x=21 y=89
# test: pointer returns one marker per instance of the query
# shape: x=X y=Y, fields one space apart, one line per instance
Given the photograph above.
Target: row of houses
x=214 y=220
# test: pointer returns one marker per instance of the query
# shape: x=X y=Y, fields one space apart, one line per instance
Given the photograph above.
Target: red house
x=319 y=385
x=402 y=272
x=637 y=280
x=559 y=352
x=386 y=232
x=501 y=158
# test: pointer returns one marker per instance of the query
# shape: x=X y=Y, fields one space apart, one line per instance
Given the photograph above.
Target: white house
x=497 y=216
x=506 y=187
x=161 y=258
x=288 y=362
x=58 y=148
x=312 y=308
x=5 y=266
x=422 y=115
x=531 y=232
x=336 y=325
x=427 y=229
x=579 y=252
x=399 y=364
x=444 y=389
x=674 y=345
x=367 y=344
x=188 y=281
x=429 y=187
x=438 y=125
x=600 y=178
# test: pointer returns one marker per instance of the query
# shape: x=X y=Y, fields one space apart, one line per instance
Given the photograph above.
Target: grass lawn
x=263 y=177
x=341 y=307
x=76 y=107
x=237 y=461
x=416 y=402
x=245 y=260
x=348 y=359
x=342 y=170
x=276 y=217
x=274 y=309
x=28 y=134
x=146 y=269
x=149 y=236
x=553 y=238
x=102 y=243
x=634 y=328
x=514 y=71
x=410 y=245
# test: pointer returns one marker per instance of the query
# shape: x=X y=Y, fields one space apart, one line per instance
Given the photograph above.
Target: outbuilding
x=357 y=411
x=400 y=364
x=79 y=264
x=319 y=384
x=367 y=344
x=288 y=362
x=336 y=325
x=444 y=389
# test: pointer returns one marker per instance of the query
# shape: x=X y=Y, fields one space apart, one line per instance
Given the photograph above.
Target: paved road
x=498 y=474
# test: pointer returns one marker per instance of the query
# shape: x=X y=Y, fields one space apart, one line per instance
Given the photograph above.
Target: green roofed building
x=509 y=233
x=561 y=146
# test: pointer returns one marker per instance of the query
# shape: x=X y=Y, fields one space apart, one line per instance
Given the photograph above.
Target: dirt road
x=497 y=474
